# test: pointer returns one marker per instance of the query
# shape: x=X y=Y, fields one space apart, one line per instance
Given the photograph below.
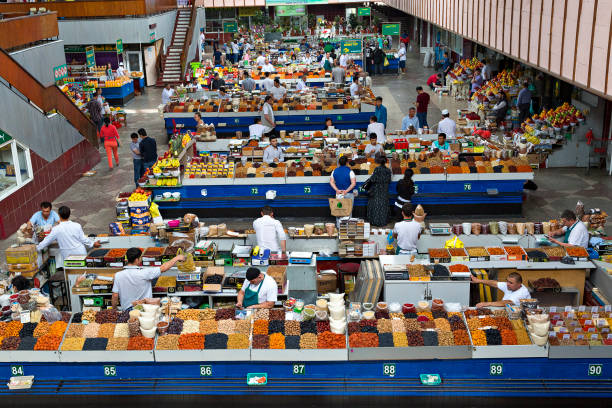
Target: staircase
x=47 y=99
x=172 y=69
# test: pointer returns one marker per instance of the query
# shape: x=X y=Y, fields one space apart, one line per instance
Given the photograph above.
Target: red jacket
x=109 y=134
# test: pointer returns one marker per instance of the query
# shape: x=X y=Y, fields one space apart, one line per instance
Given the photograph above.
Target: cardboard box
x=210 y=271
x=279 y=274
x=24 y=254
x=326 y=283
x=175 y=236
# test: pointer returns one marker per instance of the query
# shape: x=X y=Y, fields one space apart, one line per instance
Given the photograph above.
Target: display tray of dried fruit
x=410 y=353
x=477 y=254
x=577 y=253
x=439 y=255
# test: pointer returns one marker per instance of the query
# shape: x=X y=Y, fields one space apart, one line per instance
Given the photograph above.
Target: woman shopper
x=110 y=137
x=378 y=201
x=405 y=190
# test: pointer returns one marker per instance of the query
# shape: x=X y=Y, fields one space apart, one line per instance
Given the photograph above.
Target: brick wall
x=50 y=180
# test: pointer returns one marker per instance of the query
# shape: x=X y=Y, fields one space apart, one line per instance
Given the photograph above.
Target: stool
x=57 y=281
x=349 y=268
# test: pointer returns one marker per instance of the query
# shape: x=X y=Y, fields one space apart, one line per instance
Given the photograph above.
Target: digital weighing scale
x=300 y=258
x=189 y=282
x=396 y=272
x=439 y=228
x=75 y=261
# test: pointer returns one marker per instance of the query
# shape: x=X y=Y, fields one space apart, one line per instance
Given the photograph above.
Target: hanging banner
x=293 y=2
x=391 y=29
x=364 y=11
x=230 y=27
x=91 y=56
x=60 y=72
x=289 y=11
x=247 y=11
x=350 y=46
x=119 y=46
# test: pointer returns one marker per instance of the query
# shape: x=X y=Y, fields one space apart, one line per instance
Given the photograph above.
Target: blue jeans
x=147 y=165
x=422 y=119
x=138 y=170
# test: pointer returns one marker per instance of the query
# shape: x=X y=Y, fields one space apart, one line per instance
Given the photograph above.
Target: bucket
x=336 y=298
x=336 y=313
x=467 y=228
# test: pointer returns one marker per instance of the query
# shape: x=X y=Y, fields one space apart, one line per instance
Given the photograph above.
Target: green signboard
x=391 y=29
x=119 y=46
x=230 y=27
x=350 y=46
x=364 y=11
x=292 y=10
x=152 y=36
x=5 y=137
x=60 y=72
x=91 y=56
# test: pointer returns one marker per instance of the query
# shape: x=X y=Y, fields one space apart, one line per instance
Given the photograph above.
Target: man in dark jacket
x=379 y=58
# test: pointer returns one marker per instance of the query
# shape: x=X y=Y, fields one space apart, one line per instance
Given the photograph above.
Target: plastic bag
x=51 y=314
x=579 y=210
x=454 y=242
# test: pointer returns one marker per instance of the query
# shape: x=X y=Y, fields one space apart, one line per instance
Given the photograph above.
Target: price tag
x=559 y=323
x=17 y=370
x=608 y=308
x=588 y=322
x=591 y=330
x=609 y=336
x=496 y=369
x=594 y=309
x=605 y=330
x=467 y=186
x=299 y=369
x=580 y=336
x=595 y=316
x=595 y=370
x=339 y=117
x=110 y=371
x=577 y=330
x=593 y=337
x=204 y=192
x=25 y=316
x=307 y=190
x=389 y=369
x=416 y=189
x=254 y=191
x=563 y=330
x=553 y=309
x=568 y=308
x=205 y=371
x=581 y=308
x=307 y=118
x=566 y=337
x=236 y=120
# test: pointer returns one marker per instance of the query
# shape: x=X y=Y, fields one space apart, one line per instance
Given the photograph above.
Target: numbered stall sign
x=467 y=187
x=254 y=191
x=307 y=190
x=496 y=369
x=389 y=369
x=205 y=371
x=595 y=370
x=110 y=371
x=17 y=370
x=299 y=369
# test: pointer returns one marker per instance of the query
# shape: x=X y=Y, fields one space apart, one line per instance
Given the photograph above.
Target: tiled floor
x=92 y=198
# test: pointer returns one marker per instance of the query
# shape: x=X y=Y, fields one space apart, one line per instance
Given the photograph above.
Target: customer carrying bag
x=340 y=207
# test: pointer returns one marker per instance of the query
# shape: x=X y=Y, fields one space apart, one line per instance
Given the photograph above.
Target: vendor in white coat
x=407 y=232
x=269 y=232
x=513 y=289
x=69 y=236
x=447 y=125
x=259 y=291
x=574 y=232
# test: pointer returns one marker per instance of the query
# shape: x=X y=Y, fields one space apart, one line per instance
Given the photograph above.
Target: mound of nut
x=428 y=327
x=206 y=329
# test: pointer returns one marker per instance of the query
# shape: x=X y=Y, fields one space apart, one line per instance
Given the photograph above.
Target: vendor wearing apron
x=574 y=232
x=259 y=291
x=407 y=232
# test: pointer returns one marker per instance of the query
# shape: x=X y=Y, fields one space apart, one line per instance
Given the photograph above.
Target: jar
x=530 y=227
x=24 y=297
x=485 y=229
x=494 y=227
x=437 y=304
x=395 y=307
x=476 y=228
x=321 y=304
x=382 y=307
x=538 y=228
x=162 y=328
x=457 y=229
x=368 y=315
x=422 y=306
x=308 y=314
x=503 y=227
x=511 y=228
x=368 y=306
x=408 y=308
x=320 y=315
